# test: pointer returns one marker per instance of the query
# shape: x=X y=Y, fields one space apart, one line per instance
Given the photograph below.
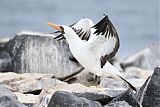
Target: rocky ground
x=36 y=71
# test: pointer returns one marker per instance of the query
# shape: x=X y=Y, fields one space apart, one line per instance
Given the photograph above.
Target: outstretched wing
x=83 y=28
x=107 y=43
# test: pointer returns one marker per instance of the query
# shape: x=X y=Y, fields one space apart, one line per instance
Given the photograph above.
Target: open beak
x=54 y=26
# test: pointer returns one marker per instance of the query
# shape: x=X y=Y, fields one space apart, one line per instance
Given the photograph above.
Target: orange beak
x=54 y=26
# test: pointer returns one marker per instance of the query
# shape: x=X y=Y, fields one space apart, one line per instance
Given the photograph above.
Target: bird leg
x=97 y=80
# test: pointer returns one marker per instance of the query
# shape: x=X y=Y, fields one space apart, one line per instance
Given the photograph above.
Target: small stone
x=66 y=99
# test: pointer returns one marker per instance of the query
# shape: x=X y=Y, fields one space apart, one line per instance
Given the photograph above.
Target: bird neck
x=73 y=38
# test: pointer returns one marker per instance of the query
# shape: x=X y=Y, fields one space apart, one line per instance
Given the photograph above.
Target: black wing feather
x=105 y=27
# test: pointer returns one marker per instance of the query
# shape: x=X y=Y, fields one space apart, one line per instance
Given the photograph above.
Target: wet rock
x=147 y=58
x=119 y=104
x=150 y=96
x=29 y=82
x=128 y=97
x=34 y=53
x=66 y=99
x=5 y=61
x=6 y=92
x=6 y=101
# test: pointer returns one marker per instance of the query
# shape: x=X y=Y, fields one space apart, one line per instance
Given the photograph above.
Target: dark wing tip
x=105 y=26
x=129 y=84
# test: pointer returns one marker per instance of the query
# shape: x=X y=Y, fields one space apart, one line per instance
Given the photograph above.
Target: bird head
x=66 y=31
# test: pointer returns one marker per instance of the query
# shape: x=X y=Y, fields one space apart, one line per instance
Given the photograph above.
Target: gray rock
x=6 y=92
x=66 y=99
x=112 y=83
x=5 y=61
x=151 y=96
x=128 y=97
x=142 y=90
x=93 y=96
x=32 y=53
x=147 y=58
x=6 y=101
x=118 y=104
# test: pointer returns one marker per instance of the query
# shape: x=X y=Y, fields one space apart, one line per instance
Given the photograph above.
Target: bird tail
x=129 y=84
x=113 y=71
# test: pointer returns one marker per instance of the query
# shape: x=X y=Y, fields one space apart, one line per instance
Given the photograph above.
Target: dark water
x=135 y=20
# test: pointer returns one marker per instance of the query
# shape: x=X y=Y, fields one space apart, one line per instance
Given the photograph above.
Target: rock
x=6 y=92
x=93 y=96
x=138 y=73
x=29 y=100
x=93 y=93
x=33 y=53
x=150 y=92
x=141 y=92
x=128 y=97
x=29 y=82
x=66 y=99
x=147 y=58
x=118 y=104
x=5 y=61
x=6 y=101
x=112 y=83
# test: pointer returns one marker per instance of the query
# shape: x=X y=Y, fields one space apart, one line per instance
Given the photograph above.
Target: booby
x=94 y=53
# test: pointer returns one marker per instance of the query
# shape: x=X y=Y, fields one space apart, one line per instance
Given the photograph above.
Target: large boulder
x=5 y=61
x=149 y=93
x=34 y=53
x=66 y=99
x=147 y=58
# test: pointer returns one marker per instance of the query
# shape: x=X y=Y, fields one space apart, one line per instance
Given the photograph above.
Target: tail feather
x=129 y=84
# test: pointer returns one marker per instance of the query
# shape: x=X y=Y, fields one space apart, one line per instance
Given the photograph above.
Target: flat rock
x=35 y=53
x=6 y=101
x=27 y=99
x=151 y=93
x=29 y=82
x=66 y=99
x=147 y=58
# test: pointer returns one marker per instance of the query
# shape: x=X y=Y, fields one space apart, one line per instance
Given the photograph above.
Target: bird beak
x=54 y=26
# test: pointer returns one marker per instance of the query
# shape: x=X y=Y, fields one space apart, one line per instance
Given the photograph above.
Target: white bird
x=101 y=45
